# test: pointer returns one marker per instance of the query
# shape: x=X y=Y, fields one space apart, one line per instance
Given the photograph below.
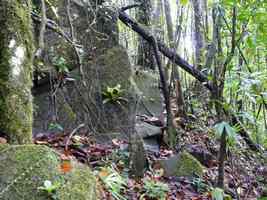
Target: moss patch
x=16 y=52
x=183 y=164
x=25 y=168
x=187 y=165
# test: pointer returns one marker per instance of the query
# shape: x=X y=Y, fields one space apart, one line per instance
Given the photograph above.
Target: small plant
x=199 y=185
x=113 y=95
x=60 y=64
x=155 y=190
x=50 y=189
x=217 y=194
x=113 y=182
x=55 y=127
x=230 y=131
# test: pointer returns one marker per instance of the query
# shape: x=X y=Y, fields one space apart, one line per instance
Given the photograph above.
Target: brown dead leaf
x=3 y=140
x=103 y=173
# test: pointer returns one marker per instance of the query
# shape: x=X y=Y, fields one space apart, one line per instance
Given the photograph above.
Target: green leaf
x=184 y=2
x=217 y=194
x=55 y=126
x=230 y=131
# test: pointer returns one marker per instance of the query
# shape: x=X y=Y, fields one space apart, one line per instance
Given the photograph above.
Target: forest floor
x=245 y=173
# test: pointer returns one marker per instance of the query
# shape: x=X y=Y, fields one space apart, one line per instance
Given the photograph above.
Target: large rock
x=23 y=169
x=147 y=85
x=105 y=64
x=183 y=164
x=146 y=130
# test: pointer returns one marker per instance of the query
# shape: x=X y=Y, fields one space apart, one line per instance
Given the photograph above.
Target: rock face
x=105 y=64
x=25 y=168
x=147 y=84
x=183 y=164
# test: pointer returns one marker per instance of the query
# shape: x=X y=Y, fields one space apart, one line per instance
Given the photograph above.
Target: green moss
x=24 y=168
x=188 y=165
x=16 y=42
x=69 y=112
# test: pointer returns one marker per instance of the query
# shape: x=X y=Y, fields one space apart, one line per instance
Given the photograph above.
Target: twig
x=72 y=134
x=130 y=7
x=73 y=38
x=50 y=24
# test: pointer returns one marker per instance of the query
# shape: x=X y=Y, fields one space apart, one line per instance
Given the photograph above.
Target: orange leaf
x=65 y=166
x=103 y=173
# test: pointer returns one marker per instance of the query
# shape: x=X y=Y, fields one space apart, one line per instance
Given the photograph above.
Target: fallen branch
x=165 y=50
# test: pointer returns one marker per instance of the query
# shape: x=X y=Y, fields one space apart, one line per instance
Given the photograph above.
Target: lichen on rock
x=25 y=168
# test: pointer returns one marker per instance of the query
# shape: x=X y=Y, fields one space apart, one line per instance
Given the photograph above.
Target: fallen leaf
x=103 y=173
x=3 y=140
x=65 y=166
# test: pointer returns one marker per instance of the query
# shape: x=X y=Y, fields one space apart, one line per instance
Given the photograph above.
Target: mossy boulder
x=25 y=168
x=183 y=164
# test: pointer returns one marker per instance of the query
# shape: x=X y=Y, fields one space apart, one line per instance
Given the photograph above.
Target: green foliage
x=217 y=194
x=55 y=127
x=113 y=95
x=50 y=188
x=155 y=189
x=199 y=184
x=184 y=2
x=60 y=64
x=230 y=132
x=113 y=182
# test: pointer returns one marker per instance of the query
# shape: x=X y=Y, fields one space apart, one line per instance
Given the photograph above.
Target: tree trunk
x=16 y=51
x=198 y=32
x=175 y=77
x=145 y=52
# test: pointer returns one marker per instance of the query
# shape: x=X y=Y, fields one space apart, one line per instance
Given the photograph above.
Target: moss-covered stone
x=183 y=164
x=24 y=168
x=16 y=52
x=187 y=165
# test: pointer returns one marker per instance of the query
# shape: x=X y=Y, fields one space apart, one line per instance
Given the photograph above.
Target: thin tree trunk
x=145 y=56
x=198 y=32
x=169 y=126
x=174 y=69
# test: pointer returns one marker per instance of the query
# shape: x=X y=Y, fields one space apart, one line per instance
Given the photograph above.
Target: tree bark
x=198 y=32
x=16 y=52
x=145 y=52
x=175 y=78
